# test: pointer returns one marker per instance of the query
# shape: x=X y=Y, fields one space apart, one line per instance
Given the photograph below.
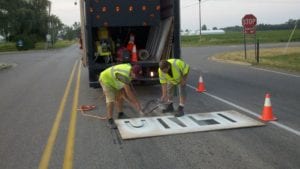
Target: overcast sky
x=215 y=13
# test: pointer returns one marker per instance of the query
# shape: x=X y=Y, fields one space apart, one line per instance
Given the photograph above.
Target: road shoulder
x=229 y=61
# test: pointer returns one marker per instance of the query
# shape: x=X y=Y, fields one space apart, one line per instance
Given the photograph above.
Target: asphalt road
x=41 y=128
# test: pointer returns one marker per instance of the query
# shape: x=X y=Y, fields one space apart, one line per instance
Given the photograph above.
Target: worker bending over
x=115 y=82
x=173 y=73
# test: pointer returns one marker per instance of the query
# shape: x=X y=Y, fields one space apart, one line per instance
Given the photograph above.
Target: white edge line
x=285 y=127
x=249 y=112
x=286 y=74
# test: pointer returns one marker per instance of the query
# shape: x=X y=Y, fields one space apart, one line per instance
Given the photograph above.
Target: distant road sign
x=249 y=23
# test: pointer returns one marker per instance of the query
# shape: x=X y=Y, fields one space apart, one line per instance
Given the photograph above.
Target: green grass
x=57 y=45
x=63 y=43
x=230 y=38
x=6 y=47
x=290 y=62
x=279 y=58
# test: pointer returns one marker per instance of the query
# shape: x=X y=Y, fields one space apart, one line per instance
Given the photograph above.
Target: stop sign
x=249 y=23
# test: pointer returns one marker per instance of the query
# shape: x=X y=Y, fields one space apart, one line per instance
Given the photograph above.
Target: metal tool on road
x=156 y=103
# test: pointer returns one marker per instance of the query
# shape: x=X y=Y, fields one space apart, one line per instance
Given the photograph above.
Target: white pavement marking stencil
x=166 y=125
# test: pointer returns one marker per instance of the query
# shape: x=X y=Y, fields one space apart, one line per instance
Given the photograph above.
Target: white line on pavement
x=250 y=112
x=286 y=74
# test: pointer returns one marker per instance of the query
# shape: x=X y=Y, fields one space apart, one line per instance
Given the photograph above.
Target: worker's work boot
x=122 y=115
x=179 y=112
x=169 y=108
x=112 y=124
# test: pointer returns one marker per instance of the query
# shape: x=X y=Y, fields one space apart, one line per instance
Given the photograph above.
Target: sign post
x=249 y=23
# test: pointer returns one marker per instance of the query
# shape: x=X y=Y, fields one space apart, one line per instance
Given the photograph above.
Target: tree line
x=31 y=20
x=290 y=24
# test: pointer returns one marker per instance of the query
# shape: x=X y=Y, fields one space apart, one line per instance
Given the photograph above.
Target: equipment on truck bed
x=123 y=55
x=143 y=54
x=103 y=46
x=141 y=32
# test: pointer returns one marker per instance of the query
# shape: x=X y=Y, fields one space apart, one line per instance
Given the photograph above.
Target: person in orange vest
x=172 y=73
x=115 y=82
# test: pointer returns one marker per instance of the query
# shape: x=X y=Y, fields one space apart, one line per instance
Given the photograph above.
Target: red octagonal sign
x=249 y=23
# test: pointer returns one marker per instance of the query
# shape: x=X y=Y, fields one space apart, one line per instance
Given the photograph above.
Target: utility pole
x=48 y=36
x=49 y=5
x=50 y=25
x=200 y=19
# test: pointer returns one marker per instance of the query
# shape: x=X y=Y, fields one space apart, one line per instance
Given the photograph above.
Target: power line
x=194 y=4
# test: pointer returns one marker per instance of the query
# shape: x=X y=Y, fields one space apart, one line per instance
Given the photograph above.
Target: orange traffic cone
x=134 y=54
x=201 y=86
x=267 y=113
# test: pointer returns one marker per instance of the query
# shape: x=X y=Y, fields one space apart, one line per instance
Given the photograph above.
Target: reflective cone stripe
x=267 y=112
x=201 y=86
x=134 y=54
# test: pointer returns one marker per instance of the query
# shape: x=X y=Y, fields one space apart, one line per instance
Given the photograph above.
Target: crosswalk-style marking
x=166 y=125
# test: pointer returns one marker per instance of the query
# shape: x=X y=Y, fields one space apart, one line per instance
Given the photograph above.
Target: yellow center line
x=44 y=163
x=69 y=151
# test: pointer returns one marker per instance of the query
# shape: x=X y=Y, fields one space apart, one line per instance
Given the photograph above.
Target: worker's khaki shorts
x=174 y=90
x=110 y=93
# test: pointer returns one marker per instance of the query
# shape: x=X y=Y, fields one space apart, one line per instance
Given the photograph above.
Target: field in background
x=279 y=58
x=230 y=38
x=276 y=58
x=6 y=47
x=58 y=44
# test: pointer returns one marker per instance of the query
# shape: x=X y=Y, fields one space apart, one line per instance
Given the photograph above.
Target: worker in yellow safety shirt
x=115 y=82
x=173 y=73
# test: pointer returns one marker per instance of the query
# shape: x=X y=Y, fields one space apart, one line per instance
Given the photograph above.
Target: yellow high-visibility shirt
x=179 y=69
x=116 y=76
